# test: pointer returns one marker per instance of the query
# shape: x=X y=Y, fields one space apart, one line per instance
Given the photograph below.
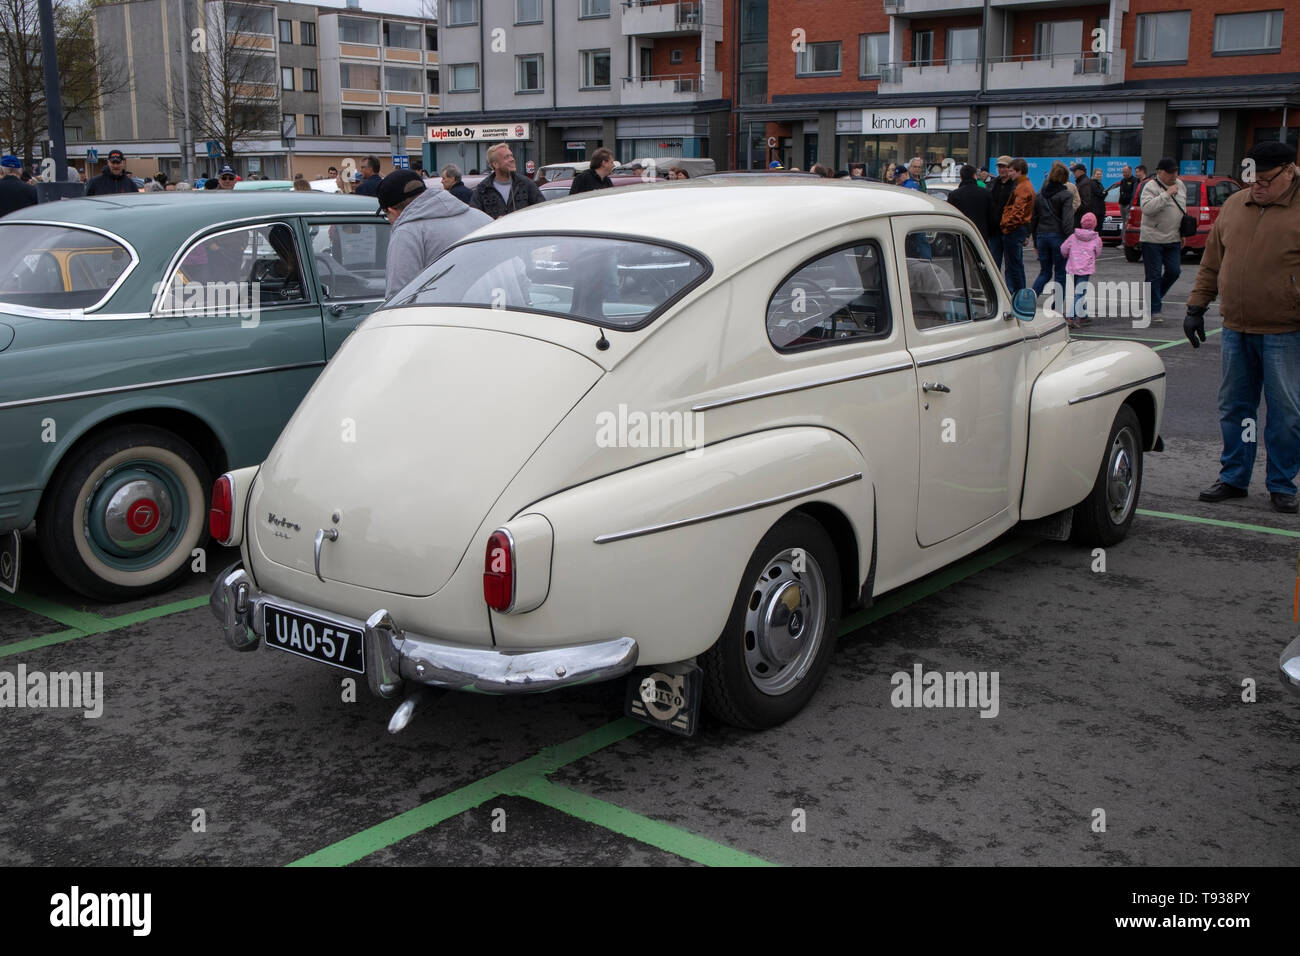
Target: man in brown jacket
x=1252 y=263
x=1016 y=217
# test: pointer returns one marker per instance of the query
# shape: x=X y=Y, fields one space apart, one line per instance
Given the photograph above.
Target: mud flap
x=666 y=696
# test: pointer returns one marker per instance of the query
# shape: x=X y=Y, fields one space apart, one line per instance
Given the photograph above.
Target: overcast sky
x=408 y=8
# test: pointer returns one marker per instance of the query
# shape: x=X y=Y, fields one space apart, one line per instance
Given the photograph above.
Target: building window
x=1053 y=38
x=964 y=45
x=286 y=31
x=1248 y=32
x=286 y=77
x=593 y=8
x=245 y=18
x=595 y=69
x=307 y=33
x=753 y=56
x=431 y=39
x=753 y=20
x=402 y=36
x=400 y=80
x=873 y=53
x=528 y=11
x=431 y=76
x=311 y=124
x=528 y=73
x=698 y=54
x=818 y=58
x=464 y=78
x=354 y=30
x=309 y=80
x=461 y=13
x=922 y=47
x=675 y=56
x=357 y=76
x=1162 y=37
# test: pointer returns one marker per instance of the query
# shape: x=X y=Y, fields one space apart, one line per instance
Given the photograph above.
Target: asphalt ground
x=1120 y=702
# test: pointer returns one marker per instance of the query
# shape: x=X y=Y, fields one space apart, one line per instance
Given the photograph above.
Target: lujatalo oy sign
x=884 y=122
x=477 y=133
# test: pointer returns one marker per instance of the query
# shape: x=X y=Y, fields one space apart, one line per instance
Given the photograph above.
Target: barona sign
x=1061 y=120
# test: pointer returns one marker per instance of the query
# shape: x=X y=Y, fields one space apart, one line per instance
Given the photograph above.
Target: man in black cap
x=114 y=179
x=1164 y=203
x=1091 y=198
x=14 y=193
x=425 y=222
x=227 y=178
x=1252 y=264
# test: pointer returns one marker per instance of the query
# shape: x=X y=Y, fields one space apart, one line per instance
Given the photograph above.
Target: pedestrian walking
x=505 y=190
x=975 y=203
x=1081 y=249
x=453 y=182
x=1164 y=204
x=596 y=175
x=1000 y=190
x=1017 y=216
x=1091 y=197
x=1252 y=265
x=369 y=185
x=1052 y=223
x=114 y=179
x=425 y=222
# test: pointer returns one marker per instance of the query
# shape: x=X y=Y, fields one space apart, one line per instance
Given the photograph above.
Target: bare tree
x=85 y=72
x=230 y=64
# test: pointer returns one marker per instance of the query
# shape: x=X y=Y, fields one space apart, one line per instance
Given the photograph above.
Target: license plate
x=10 y=552
x=316 y=638
x=666 y=696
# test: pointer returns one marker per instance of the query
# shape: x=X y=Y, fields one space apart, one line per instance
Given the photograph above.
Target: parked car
x=559 y=190
x=1109 y=227
x=148 y=345
x=1205 y=196
x=654 y=429
x=661 y=165
x=562 y=172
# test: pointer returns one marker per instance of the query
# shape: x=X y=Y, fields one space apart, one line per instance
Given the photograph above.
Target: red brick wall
x=661 y=56
x=821 y=20
x=1022 y=26
x=1200 y=43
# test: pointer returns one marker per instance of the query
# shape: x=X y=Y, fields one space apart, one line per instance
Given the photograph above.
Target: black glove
x=1194 y=325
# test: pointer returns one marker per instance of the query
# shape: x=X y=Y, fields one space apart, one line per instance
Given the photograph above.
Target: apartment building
x=1107 y=83
x=559 y=78
x=333 y=72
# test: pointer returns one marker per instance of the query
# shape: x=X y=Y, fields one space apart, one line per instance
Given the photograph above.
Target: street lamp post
x=53 y=102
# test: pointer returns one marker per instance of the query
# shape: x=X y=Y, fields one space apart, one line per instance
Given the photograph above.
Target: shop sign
x=471 y=133
x=922 y=119
x=1030 y=120
x=580 y=144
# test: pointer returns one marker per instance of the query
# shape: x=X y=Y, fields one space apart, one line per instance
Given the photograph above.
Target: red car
x=1205 y=196
x=1109 y=228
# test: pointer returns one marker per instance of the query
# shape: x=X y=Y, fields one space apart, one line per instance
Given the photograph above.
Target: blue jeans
x=1072 y=309
x=995 y=247
x=1166 y=258
x=1013 y=257
x=1252 y=361
x=1051 y=264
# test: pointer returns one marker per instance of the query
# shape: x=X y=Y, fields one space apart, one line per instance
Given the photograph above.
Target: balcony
x=915 y=8
x=1044 y=71
x=929 y=76
x=662 y=18
x=665 y=89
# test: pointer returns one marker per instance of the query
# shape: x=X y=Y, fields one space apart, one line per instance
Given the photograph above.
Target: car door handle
x=338 y=309
x=934 y=387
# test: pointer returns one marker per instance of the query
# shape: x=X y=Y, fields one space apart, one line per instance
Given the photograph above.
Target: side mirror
x=1025 y=304
x=1290 y=664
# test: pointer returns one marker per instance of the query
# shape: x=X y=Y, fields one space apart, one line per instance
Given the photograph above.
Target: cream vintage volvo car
x=673 y=432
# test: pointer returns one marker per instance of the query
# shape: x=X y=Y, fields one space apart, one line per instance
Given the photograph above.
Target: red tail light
x=499 y=572
x=223 y=509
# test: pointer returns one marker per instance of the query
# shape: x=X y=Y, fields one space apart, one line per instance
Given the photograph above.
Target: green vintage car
x=150 y=342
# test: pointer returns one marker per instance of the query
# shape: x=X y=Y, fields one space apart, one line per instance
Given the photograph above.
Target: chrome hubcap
x=1121 y=476
x=785 y=621
x=135 y=515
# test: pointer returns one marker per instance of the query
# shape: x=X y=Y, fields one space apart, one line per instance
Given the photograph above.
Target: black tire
x=733 y=668
x=1133 y=253
x=138 y=466
x=1104 y=517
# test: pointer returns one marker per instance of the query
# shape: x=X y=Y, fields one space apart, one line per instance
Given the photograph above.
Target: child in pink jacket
x=1081 y=249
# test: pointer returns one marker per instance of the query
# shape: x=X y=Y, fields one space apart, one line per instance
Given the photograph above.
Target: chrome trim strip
x=74 y=313
x=727 y=512
x=1047 y=332
x=162 y=384
x=786 y=389
x=973 y=352
x=1117 y=388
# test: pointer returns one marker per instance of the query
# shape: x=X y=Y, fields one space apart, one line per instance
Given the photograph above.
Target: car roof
x=728 y=219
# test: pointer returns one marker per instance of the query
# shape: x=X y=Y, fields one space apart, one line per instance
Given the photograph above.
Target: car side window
x=1220 y=192
x=1193 y=194
x=350 y=258
x=836 y=298
x=947 y=280
x=225 y=270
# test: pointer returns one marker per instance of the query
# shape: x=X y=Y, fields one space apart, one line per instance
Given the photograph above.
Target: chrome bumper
x=393 y=656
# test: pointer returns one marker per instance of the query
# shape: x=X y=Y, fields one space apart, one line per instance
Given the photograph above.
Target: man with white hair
x=916 y=169
x=505 y=190
x=452 y=183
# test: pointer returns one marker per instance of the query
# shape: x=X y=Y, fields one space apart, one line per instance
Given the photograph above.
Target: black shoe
x=1283 y=502
x=1219 y=492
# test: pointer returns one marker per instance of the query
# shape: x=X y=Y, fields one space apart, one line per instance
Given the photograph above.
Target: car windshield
x=617 y=283
x=57 y=267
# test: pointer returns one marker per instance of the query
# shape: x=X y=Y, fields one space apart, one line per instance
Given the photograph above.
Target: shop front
x=883 y=138
x=1106 y=136
x=466 y=144
x=662 y=136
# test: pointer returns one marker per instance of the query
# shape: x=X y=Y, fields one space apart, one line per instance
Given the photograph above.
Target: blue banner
x=1111 y=167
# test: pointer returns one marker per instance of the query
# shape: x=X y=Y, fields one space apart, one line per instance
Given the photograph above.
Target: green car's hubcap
x=136 y=515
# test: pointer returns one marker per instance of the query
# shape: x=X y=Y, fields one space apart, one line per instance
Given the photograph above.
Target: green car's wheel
x=123 y=515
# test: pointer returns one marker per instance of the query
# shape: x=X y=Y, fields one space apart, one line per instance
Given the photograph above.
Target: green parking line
x=1284 y=532
x=1183 y=341
x=91 y=623
x=668 y=838
x=68 y=617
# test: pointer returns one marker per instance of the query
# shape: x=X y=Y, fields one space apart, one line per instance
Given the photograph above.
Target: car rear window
x=58 y=267
x=614 y=282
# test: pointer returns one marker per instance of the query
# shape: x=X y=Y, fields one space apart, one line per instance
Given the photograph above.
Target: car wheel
x=121 y=518
x=1133 y=253
x=1104 y=517
x=781 y=633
